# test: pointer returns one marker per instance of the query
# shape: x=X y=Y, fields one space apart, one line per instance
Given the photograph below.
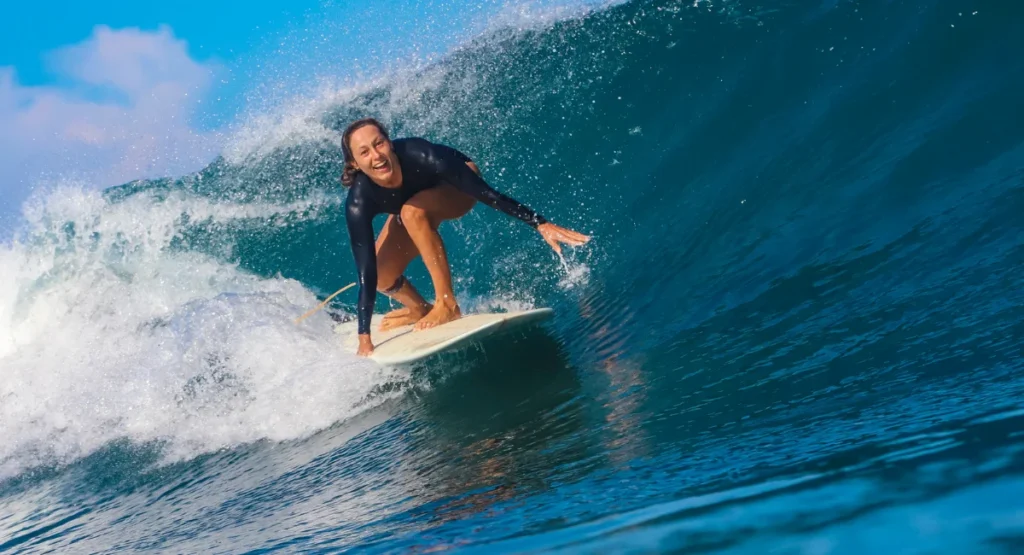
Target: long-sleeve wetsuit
x=424 y=165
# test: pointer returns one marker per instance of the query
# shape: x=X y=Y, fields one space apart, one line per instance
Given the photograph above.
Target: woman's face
x=373 y=155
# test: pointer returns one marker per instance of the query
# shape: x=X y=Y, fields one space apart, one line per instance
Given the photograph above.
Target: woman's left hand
x=553 y=235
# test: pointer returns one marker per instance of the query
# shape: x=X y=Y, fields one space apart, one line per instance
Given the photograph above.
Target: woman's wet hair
x=348 y=175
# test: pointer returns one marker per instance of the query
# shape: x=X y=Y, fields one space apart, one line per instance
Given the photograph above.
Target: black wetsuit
x=424 y=165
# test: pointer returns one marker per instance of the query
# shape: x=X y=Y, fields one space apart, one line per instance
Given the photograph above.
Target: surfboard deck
x=404 y=345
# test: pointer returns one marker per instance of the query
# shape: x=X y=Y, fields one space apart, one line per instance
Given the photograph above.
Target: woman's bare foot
x=403 y=317
x=442 y=313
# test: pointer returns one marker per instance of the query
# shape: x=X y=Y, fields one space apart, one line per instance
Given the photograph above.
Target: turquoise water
x=797 y=329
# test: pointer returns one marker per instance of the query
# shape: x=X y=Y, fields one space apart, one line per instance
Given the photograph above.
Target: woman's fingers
x=576 y=235
x=572 y=237
x=553 y=235
x=554 y=245
x=577 y=239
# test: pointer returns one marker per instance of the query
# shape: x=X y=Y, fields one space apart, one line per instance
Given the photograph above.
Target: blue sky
x=224 y=28
x=225 y=31
x=218 y=41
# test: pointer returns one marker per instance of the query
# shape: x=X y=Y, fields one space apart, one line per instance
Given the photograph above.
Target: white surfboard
x=404 y=345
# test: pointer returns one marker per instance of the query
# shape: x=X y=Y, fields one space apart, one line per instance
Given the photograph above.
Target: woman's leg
x=421 y=216
x=395 y=250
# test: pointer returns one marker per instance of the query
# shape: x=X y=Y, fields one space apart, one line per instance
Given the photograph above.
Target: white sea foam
x=576 y=274
x=105 y=333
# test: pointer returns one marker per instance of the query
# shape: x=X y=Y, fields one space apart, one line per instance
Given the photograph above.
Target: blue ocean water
x=797 y=329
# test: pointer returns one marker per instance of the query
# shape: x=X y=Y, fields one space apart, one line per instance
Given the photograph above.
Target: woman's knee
x=389 y=284
x=414 y=215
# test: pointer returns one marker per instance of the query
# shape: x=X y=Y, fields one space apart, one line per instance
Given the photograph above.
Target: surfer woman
x=419 y=184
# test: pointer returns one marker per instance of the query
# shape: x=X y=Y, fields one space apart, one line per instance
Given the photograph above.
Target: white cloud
x=123 y=111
